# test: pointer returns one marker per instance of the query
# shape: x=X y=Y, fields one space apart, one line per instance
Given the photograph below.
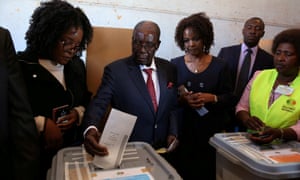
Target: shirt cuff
x=80 y=110
x=90 y=127
x=40 y=123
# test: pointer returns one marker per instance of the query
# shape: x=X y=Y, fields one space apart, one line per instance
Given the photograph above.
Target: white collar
x=152 y=66
x=245 y=47
x=48 y=64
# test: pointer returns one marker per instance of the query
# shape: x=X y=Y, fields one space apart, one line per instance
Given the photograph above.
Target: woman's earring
x=204 y=49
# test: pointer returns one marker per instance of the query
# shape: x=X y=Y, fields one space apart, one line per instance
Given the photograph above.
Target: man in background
x=19 y=152
x=253 y=31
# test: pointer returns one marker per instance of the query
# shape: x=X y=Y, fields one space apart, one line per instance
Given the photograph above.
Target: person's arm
x=172 y=141
x=80 y=112
x=173 y=128
x=95 y=114
x=270 y=134
x=243 y=109
x=222 y=98
x=243 y=104
x=289 y=134
x=296 y=129
x=81 y=98
x=91 y=139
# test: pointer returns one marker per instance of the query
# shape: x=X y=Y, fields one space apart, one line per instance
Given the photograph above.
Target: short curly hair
x=291 y=36
x=203 y=27
x=50 y=21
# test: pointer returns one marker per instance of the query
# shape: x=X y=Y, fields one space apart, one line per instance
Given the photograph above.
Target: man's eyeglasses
x=146 y=45
x=70 y=45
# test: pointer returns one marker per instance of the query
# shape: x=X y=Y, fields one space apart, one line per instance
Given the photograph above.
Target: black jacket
x=46 y=92
x=19 y=148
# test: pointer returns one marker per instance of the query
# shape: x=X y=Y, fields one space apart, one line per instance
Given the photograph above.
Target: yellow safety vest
x=285 y=111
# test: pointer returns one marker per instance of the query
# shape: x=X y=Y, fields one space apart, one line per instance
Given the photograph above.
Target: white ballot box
x=237 y=158
x=140 y=161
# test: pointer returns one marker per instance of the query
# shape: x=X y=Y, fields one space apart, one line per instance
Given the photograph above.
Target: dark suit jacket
x=46 y=93
x=231 y=54
x=43 y=87
x=19 y=151
x=124 y=88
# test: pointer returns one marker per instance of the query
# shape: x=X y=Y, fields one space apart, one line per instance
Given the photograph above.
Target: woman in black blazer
x=56 y=76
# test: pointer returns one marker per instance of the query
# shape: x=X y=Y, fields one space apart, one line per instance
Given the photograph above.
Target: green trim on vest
x=284 y=112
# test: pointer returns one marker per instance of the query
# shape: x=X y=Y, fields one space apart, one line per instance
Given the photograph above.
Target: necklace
x=197 y=65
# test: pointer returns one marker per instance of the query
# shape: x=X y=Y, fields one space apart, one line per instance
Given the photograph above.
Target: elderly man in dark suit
x=253 y=31
x=124 y=88
x=19 y=152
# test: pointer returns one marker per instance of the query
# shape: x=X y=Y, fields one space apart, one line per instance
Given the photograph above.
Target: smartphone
x=260 y=135
x=201 y=111
x=60 y=112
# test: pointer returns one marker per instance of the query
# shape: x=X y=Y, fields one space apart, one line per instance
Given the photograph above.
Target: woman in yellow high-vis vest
x=270 y=104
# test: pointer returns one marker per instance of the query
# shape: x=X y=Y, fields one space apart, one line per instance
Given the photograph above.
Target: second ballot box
x=237 y=158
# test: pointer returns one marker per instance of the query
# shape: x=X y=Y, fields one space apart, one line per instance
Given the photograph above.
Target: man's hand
x=91 y=143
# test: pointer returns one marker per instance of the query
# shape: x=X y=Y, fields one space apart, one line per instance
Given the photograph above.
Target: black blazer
x=124 y=88
x=46 y=93
x=19 y=148
x=231 y=54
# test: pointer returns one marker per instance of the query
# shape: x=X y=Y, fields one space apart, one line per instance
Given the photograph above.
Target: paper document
x=135 y=173
x=115 y=136
x=285 y=155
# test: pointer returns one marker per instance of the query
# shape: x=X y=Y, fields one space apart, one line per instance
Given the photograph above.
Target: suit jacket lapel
x=161 y=74
x=236 y=57
x=137 y=77
x=257 y=64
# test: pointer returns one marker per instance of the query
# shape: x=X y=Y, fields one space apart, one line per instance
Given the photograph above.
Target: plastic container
x=237 y=158
x=137 y=154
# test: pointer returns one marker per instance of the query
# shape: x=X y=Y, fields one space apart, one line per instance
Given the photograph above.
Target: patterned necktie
x=244 y=74
x=150 y=87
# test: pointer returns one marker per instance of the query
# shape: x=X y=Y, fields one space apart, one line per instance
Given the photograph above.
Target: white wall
x=228 y=17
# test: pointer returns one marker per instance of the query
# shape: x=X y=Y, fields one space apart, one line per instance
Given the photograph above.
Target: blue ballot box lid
x=138 y=155
x=270 y=161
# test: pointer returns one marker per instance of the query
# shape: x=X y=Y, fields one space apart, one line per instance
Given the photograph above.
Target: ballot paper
x=115 y=136
x=81 y=171
x=134 y=173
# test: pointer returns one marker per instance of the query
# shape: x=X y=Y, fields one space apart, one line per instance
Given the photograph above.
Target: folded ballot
x=115 y=136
